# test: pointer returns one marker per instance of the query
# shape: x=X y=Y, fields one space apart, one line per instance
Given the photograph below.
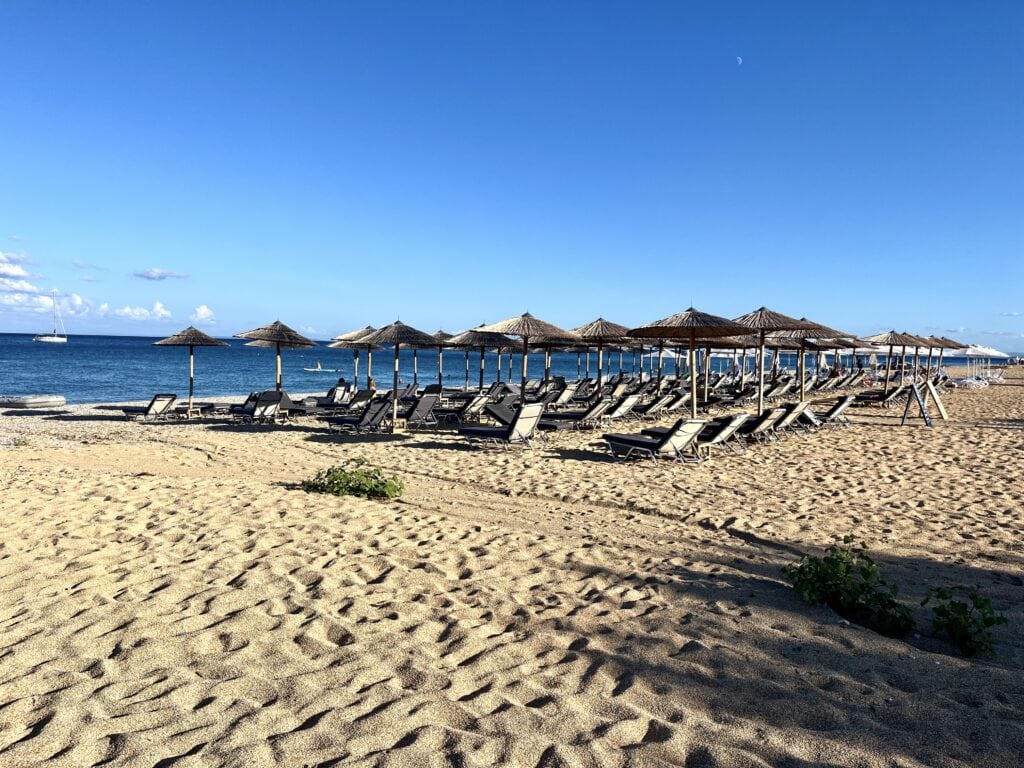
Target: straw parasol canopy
x=477 y=339
x=397 y=334
x=601 y=332
x=812 y=330
x=893 y=339
x=526 y=326
x=764 y=321
x=190 y=337
x=280 y=335
x=691 y=324
x=351 y=341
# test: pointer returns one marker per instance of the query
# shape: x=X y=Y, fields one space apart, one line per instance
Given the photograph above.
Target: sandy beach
x=171 y=597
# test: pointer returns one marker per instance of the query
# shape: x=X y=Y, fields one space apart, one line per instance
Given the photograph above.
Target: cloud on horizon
x=202 y=315
x=157 y=312
x=155 y=273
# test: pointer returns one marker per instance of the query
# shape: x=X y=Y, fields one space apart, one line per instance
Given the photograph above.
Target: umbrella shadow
x=438 y=445
x=342 y=438
x=26 y=412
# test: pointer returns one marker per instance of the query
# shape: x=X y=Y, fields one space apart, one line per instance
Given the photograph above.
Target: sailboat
x=54 y=338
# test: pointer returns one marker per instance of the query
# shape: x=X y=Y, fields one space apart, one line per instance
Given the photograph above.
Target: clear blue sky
x=334 y=164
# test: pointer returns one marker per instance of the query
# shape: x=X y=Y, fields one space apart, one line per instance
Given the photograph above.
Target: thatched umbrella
x=280 y=335
x=948 y=343
x=481 y=340
x=602 y=332
x=892 y=339
x=812 y=330
x=526 y=326
x=691 y=325
x=191 y=338
x=350 y=340
x=397 y=334
x=442 y=341
x=764 y=320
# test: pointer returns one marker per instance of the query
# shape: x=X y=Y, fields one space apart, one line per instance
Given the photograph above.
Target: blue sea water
x=97 y=369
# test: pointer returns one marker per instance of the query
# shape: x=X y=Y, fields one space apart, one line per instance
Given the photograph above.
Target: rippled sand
x=168 y=597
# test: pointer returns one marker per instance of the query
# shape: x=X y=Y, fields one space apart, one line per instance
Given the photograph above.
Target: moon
x=739 y=61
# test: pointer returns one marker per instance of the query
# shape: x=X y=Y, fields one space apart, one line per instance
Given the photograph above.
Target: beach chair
x=590 y=417
x=360 y=399
x=422 y=414
x=520 y=432
x=372 y=419
x=792 y=413
x=623 y=408
x=675 y=443
x=760 y=429
x=470 y=410
x=503 y=411
x=834 y=416
x=723 y=434
x=652 y=409
x=159 y=408
x=267 y=408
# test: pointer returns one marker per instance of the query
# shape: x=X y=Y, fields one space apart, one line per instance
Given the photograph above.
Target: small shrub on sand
x=847 y=580
x=968 y=622
x=354 y=478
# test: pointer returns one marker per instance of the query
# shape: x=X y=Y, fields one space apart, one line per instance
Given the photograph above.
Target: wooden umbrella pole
x=526 y=353
x=743 y=368
x=277 y=349
x=661 y=348
x=802 y=370
x=369 y=366
x=415 y=367
x=760 y=376
x=588 y=362
x=498 y=354
x=547 y=363
x=440 y=367
x=191 y=376
x=482 y=351
x=600 y=365
x=355 y=367
x=707 y=372
x=467 y=369
x=693 y=379
x=888 y=367
x=394 y=395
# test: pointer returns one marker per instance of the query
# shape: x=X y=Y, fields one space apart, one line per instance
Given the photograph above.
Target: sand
x=169 y=597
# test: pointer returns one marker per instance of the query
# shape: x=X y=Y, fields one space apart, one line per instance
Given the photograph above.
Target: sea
x=106 y=369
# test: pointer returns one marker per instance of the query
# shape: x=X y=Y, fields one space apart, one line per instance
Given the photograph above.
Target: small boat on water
x=320 y=369
x=54 y=338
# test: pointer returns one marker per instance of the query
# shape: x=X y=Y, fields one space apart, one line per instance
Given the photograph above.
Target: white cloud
x=9 y=285
x=10 y=265
x=1009 y=314
x=155 y=273
x=12 y=270
x=26 y=302
x=202 y=314
x=157 y=312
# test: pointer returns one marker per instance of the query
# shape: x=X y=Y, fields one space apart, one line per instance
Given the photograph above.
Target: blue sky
x=450 y=163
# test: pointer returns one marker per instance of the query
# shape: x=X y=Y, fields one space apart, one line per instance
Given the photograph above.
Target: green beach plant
x=355 y=478
x=848 y=580
x=965 y=615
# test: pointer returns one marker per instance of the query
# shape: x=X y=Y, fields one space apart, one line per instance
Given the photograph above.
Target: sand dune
x=170 y=598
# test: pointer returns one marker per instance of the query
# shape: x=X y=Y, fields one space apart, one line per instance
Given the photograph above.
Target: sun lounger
x=591 y=417
x=759 y=429
x=834 y=416
x=159 y=408
x=520 y=432
x=791 y=413
x=723 y=435
x=470 y=410
x=676 y=443
x=372 y=419
x=422 y=414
